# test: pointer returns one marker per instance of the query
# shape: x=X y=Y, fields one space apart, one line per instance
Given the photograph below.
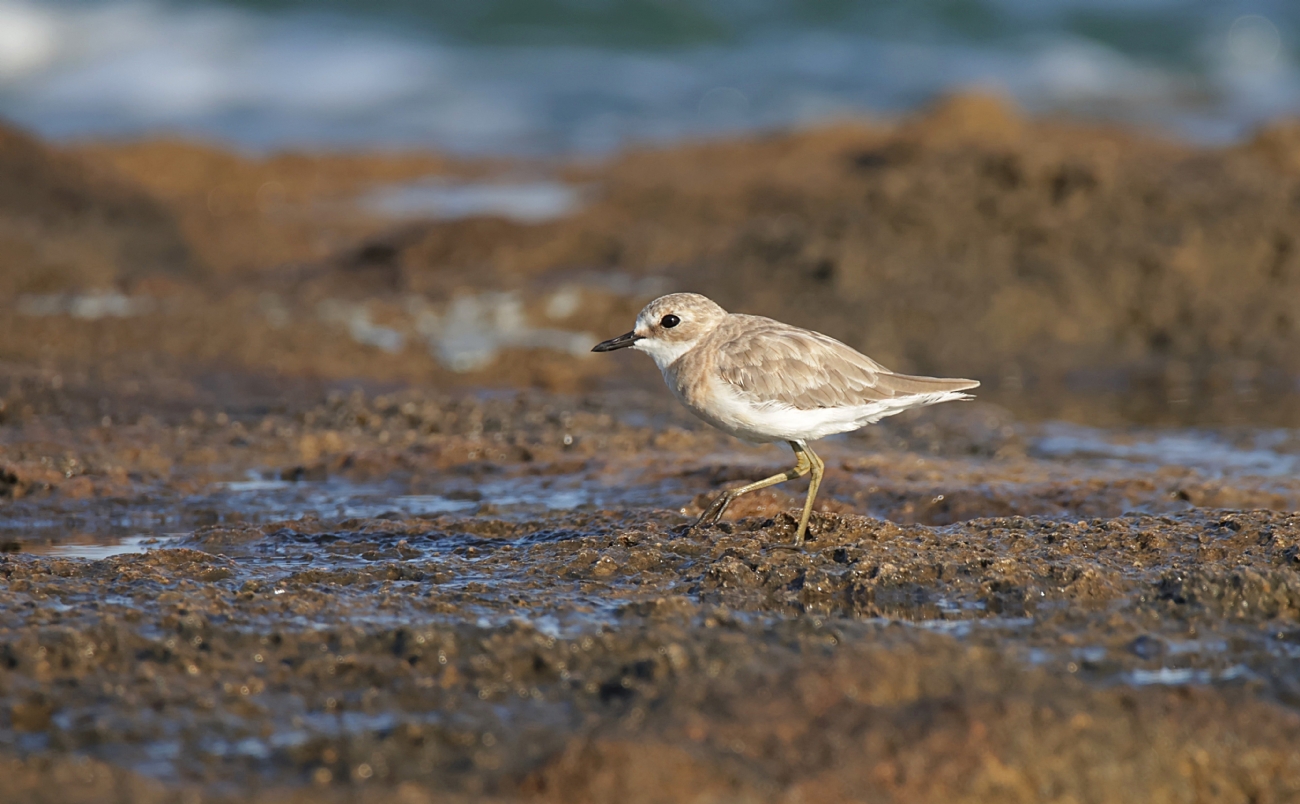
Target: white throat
x=664 y=353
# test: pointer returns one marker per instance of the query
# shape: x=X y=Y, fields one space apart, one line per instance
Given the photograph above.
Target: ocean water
x=588 y=76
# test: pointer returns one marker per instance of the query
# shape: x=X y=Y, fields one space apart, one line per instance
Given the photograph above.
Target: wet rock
x=1243 y=593
x=31 y=715
x=19 y=480
x=730 y=572
x=710 y=641
x=364 y=648
x=314 y=473
x=1147 y=647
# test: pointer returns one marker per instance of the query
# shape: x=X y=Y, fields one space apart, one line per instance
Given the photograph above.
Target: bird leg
x=804 y=464
x=818 y=470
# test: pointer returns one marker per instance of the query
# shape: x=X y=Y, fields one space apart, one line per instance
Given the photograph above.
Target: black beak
x=621 y=342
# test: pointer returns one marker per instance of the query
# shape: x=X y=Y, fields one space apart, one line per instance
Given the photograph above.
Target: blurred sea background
x=589 y=76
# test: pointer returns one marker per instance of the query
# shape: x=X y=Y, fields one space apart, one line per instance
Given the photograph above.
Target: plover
x=763 y=381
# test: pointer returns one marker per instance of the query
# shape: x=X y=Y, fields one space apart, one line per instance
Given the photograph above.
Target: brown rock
x=67 y=225
x=969 y=118
x=1279 y=143
x=31 y=715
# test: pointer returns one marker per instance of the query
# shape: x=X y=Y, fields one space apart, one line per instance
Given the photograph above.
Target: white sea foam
x=292 y=78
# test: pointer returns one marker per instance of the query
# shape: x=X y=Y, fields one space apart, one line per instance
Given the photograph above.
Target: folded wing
x=783 y=365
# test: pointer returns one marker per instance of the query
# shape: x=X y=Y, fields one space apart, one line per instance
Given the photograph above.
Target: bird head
x=669 y=327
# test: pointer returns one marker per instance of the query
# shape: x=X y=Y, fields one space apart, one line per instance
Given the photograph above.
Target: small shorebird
x=763 y=381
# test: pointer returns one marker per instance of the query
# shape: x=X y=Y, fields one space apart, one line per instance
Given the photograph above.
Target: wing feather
x=771 y=362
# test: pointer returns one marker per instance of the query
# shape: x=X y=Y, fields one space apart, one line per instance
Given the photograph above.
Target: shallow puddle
x=1262 y=453
x=104 y=547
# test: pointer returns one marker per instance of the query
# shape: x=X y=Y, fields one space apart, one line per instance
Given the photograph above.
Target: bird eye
x=669 y=321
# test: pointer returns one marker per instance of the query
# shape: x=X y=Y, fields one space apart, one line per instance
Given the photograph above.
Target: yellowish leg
x=818 y=471
x=803 y=466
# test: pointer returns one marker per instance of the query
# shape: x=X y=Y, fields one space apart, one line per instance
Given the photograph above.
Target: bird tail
x=910 y=385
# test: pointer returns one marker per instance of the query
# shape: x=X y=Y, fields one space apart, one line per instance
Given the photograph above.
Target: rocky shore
x=309 y=489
